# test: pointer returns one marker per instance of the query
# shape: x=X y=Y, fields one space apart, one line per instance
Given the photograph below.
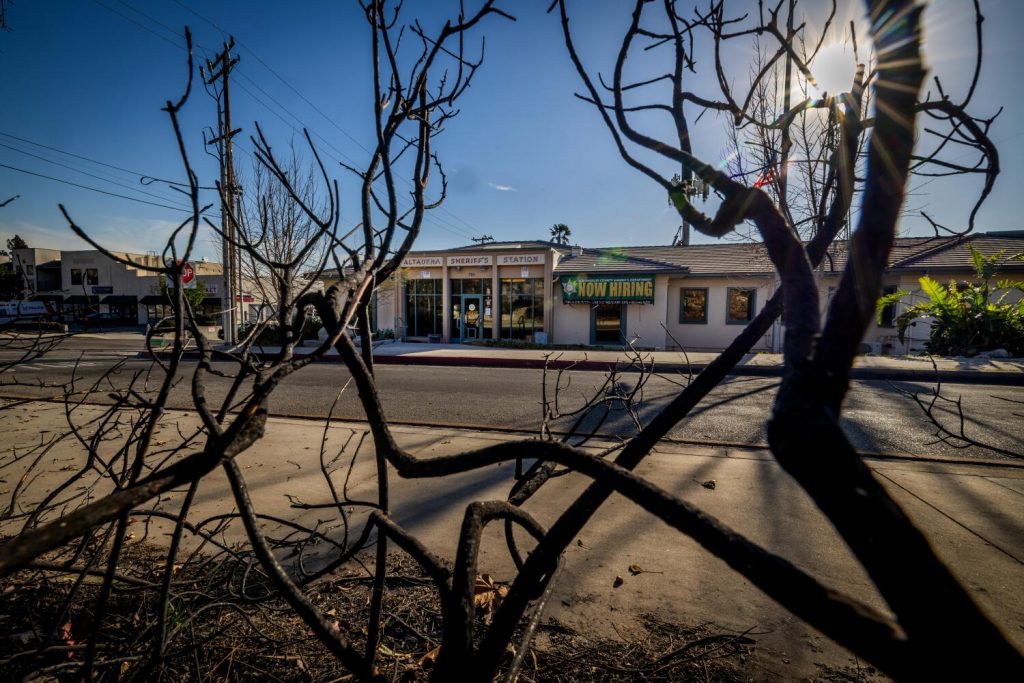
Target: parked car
x=104 y=320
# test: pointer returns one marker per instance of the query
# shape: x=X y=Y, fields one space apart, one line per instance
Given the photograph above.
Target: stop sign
x=188 y=276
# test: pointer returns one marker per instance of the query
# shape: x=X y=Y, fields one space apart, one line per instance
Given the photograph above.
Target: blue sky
x=89 y=77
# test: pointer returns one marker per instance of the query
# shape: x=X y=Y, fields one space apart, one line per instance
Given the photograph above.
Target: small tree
x=193 y=297
x=12 y=284
x=16 y=243
x=965 y=319
x=560 y=233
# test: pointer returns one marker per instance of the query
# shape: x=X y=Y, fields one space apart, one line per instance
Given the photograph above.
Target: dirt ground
x=226 y=624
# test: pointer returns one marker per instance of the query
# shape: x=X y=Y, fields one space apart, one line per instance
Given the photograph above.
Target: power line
x=142 y=176
x=436 y=220
x=94 y=189
x=91 y=175
x=315 y=108
x=455 y=230
x=140 y=25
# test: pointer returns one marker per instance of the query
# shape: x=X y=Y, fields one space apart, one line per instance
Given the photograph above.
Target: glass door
x=472 y=316
x=608 y=325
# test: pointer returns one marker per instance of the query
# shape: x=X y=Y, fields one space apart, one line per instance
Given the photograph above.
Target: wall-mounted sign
x=608 y=289
x=422 y=261
x=520 y=259
x=469 y=260
x=102 y=290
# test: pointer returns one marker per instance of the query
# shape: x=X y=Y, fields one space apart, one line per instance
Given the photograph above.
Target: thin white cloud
x=502 y=188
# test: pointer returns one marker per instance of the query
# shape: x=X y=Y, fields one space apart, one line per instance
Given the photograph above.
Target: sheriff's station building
x=696 y=297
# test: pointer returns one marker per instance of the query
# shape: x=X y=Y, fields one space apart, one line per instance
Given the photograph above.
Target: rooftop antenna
x=483 y=239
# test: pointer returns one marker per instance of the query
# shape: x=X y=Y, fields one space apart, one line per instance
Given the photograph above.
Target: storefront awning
x=212 y=301
x=55 y=298
x=120 y=299
x=154 y=300
x=82 y=300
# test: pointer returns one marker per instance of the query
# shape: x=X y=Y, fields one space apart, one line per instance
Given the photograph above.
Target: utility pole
x=483 y=239
x=219 y=70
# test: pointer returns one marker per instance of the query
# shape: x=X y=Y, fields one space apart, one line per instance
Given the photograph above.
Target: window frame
x=682 y=305
x=751 y=311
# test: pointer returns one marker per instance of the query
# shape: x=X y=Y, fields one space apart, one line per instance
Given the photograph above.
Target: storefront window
x=92 y=276
x=423 y=309
x=522 y=307
x=693 y=305
x=76 y=276
x=740 y=306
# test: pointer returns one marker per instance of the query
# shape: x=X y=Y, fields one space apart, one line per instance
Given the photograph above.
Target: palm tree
x=560 y=233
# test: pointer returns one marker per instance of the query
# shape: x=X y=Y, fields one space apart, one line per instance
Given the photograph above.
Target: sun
x=833 y=69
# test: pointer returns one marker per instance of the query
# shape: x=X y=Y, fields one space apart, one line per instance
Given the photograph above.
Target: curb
x=872 y=456
x=869 y=374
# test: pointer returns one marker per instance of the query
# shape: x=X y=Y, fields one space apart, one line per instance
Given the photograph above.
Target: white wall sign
x=524 y=271
x=469 y=260
x=422 y=261
x=424 y=274
x=520 y=259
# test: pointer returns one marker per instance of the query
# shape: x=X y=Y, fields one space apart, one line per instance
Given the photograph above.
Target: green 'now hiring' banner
x=608 y=289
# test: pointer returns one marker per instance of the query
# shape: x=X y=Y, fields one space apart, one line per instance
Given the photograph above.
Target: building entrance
x=608 y=324
x=467 y=317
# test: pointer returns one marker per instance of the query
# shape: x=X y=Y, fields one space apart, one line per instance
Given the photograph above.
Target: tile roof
x=622 y=260
x=954 y=254
x=746 y=258
x=511 y=244
x=902 y=249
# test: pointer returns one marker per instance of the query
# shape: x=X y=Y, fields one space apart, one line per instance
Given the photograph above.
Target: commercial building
x=696 y=297
x=75 y=284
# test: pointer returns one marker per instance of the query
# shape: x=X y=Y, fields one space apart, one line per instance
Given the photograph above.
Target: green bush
x=966 y=319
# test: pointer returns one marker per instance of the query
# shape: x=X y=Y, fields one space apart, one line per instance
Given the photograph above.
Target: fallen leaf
x=709 y=484
x=428 y=660
x=487 y=596
x=635 y=569
x=618 y=582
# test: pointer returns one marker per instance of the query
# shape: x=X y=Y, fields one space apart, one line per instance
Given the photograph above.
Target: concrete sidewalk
x=973 y=515
x=907 y=368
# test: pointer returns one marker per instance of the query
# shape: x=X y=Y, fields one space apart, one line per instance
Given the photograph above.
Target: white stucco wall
x=644 y=321
x=571 y=322
x=716 y=333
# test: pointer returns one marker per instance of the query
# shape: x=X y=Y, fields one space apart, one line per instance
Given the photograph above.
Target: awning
x=55 y=298
x=81 y=300
x=154 y=300
x=212 y=301
x=120 y=299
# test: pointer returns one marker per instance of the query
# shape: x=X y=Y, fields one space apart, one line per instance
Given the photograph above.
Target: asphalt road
x=877 y=417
